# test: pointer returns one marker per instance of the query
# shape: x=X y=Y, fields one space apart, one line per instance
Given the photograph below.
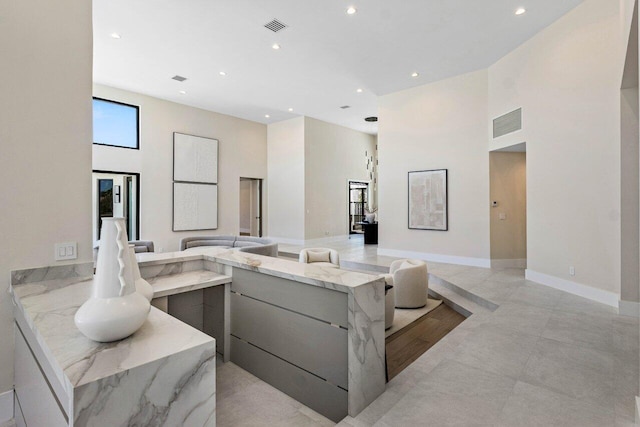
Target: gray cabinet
x=294 y=337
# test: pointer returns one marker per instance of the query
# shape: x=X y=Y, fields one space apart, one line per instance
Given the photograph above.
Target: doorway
x=250 y=207
x=358 y=199
x=508 y=206
x=116 y=194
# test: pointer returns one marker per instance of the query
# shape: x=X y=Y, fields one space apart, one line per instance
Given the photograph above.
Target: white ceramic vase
x=115 y=310
x=142 y=286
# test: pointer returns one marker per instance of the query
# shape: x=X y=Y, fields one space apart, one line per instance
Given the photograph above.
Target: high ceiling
x=325 y=54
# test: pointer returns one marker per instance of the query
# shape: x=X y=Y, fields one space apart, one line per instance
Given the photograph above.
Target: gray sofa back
x=192 y=242
x=255 y=245
x=142 y=245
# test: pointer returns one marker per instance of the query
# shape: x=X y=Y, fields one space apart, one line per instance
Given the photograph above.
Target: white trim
x=629 y=308
x=286 y=241
x=329 y=239
x=319 y=241
x=6 y=406
x=448 y=259
x=637 y=409
x=509 y=263
x=585 y=291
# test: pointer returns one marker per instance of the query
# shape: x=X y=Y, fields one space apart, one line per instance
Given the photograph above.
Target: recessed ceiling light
x=414 y=74
x=222 y=73
x=183 y=92
x=115 y=35
x=290 y=109
x=359 y=90
x=351 y=10
x=521 y=11
x=276 y=46
x=266 y=116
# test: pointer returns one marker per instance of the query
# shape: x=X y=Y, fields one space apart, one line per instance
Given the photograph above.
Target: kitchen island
x=315 y=333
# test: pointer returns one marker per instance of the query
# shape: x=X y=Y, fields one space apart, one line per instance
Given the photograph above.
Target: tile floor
x=542 y=358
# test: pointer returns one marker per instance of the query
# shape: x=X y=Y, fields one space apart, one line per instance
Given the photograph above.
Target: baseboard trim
x=286 y=240
x=308 y=242
x=509 y=263
x=585 y=291
x=245 y=230
x=629 y=308
x=321 y=240
x=447 y=259
x=6 y=406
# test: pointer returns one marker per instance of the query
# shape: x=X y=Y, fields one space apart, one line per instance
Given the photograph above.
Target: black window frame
x=137 y=147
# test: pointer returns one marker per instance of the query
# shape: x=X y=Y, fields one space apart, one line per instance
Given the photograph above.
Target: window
x=115 y=124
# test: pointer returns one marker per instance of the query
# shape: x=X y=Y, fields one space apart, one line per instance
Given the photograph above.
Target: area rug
x=405 y=316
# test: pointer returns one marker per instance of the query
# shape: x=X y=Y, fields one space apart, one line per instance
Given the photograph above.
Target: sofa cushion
x=215 y=242
x=319 y=256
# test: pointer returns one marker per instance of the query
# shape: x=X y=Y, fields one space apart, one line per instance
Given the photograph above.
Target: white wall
x=333 y=155
x=567 y=81
x=437 y=126
x=242 y=152
x=45 y=132
x=286 y=180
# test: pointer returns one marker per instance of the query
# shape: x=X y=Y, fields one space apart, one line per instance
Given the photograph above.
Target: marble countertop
x=185 y=282
x=49 y=307
x=326 y=277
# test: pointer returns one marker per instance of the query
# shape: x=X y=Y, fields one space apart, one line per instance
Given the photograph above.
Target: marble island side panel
x=163 y=374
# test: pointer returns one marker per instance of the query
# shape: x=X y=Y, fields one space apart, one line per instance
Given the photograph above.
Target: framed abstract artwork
x=428 y=204
x=195 y=183
x=195 y=206
x=195 y=159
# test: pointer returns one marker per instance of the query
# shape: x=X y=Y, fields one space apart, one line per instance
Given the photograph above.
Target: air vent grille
x=275 y=26
x=344 y=107
x=507 y=123
x=179 y=78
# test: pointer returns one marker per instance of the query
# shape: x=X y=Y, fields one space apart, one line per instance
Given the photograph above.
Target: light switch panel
x=65 y=251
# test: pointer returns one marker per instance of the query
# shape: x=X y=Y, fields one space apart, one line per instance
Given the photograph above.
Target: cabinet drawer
x=319 y=395
x=320 y=303
x=39 y=405
x=313 y=345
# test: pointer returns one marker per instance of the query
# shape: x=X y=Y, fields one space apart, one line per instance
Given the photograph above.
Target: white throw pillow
x=319 y=256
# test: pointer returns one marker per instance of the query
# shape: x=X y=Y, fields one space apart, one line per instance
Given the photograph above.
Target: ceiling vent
x=275 y=26
x=508 y=123
x=179 y=78
x=344 y=107
x=371 y=119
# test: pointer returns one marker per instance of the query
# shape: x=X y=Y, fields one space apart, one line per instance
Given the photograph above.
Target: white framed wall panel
x=195 y=159
x=195 y=206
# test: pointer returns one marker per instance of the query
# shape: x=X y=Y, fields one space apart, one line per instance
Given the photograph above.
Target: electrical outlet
x=65 y=251
x=572 y=271
x=502 y=216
